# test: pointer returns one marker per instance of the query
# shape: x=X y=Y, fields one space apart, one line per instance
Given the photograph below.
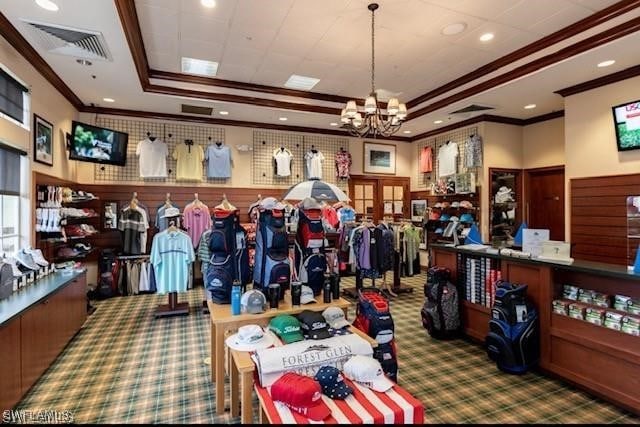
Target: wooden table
x=242 y=370
x=222 y=321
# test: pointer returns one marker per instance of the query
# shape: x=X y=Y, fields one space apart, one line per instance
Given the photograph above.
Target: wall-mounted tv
x=627 y=123
x=98 y=145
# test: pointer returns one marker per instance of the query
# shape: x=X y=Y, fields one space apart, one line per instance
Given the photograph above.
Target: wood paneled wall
x=599 y=218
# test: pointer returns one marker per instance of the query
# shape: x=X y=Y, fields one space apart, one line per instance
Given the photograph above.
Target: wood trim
x=221 y=122
x=591 y=21
x=7 y=147
x=483 y=118
x=600 y=81
x=543 y=118
x=592 y=42
x=19 y=43
x=241 y=99
x=210 y=81
x=131 y=27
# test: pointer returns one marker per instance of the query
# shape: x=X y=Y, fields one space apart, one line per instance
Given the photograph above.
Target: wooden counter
x=604 y=361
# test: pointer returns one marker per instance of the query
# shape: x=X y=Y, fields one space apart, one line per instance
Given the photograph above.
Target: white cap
x=249 y=338
x=306 y=295
x=171 y=212
x=335 y=317
x=368 y=372
x=270 y=203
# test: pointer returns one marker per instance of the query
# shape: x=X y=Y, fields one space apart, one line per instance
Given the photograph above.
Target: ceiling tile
x=595 y=5
x=222 y=12
x=560 y=20
x=268 y=77
x=486 y=9
x=241 y=57
x=157 y=19
x=235 y=72
x=199 y=27
x=502 y=33
x=166 y=4
x=278 y=61
x=250 y=36
x=316 y=69
x=527 y=13
x=265 y=14
x=200 y=50
x=161 y=42
x=291 y=43
x=163 y=61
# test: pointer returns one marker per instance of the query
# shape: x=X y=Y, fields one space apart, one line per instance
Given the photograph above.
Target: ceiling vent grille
x=194 y=109
x=472 y=109
x=68 y=41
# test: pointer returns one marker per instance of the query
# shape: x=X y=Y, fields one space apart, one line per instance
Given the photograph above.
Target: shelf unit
x=431 y=226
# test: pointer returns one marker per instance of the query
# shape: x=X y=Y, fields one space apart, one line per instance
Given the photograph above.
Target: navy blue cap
x=332 y=383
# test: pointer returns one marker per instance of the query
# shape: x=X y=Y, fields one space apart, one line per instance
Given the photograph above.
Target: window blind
x=11 y=96
x=10 y=170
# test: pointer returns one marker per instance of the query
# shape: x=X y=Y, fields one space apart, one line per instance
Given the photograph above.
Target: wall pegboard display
x=171 y=133
x=266 y=143
x=459 y=136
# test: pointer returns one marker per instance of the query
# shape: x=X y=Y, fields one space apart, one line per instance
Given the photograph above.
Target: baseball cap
x=445 y=217
x=439 y=230
x=335 y=317
x=332 y=383
x=314 y=325
x=454 y=219
x=466 y=204
x=368 y=372
x=300 y=394
x=446 y=204
x=271 y=203
x=306 y=295
x=287 y=328
x=253 y=302
x=466 y=217
x=455 y=204
x=249 y=338
x=171 y=212
x=434 y=215
x=437 y=205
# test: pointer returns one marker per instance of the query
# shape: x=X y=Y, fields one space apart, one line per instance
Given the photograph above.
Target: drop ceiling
x=260 y=44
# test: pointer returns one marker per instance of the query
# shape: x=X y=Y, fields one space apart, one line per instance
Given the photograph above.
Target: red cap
x=301 y=394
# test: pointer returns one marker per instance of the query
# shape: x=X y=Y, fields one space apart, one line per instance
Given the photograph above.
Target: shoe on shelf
x=74 y=230
x=14 y=266
x=37 y=256
x=88 y=229
x=83 y=247
x=26 y=260
x=67 y=252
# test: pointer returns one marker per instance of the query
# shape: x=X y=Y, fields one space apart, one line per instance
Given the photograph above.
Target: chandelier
x=373 y=123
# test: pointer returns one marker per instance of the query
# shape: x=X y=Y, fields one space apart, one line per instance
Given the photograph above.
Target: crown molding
x=600 y=81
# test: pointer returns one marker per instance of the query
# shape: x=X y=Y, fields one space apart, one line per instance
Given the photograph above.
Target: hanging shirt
x=163 y=223
x=447 y=159
x=218 y=161
x=426 y=160
x=314 y=164
x=282 y=160
x=196 y=220
x=343 y=163
x=189 y=162
x=131 y=224
x=346 y=214
x=152 y=158
x=473 y=152
x=171 y=256
x=204 y=253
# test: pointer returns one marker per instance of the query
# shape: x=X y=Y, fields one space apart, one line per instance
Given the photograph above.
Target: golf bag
x=310 y=256
x=373 y=317
x=108 y=270
x=513 y=341
x=272 y=263
x=441 y=310
x=229 y=260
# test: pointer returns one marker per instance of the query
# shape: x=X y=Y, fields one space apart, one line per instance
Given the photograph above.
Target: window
x=14 y=99
x=14 y=200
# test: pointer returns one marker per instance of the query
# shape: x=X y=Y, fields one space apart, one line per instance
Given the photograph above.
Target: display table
x=364 y=406
x=242 y=370
x=222 y=322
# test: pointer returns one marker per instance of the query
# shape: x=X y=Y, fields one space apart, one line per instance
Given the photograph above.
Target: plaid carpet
x=127 y=367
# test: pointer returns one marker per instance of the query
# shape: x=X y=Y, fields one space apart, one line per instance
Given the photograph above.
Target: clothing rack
x=173 y=307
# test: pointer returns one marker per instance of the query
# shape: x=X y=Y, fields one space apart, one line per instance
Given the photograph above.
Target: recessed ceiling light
x=301 y=82
x=223 y=113
x=437 y=122
x=108 y=100
x=283 y=119
x=199 y=66
x=406 y=131
x=333 y=124
x=453 y=29
x=83 y=62
x=208 y=3
x=606 y=63
x=486 y=37
x=529 y=106
x=48 y=5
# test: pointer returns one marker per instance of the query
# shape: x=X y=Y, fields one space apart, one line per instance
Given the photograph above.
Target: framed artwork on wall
x=418 y=209
x=42 y=140
x=379 y=158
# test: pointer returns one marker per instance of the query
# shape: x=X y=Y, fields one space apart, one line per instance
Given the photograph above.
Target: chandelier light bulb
x=370 y=105
x=343 y=116
x=393 y=106
x=402 y=111
x=351 y=109
x=357 y=120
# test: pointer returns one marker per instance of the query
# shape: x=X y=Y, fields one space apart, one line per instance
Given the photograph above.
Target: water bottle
x=236 y=294
x=326 y=290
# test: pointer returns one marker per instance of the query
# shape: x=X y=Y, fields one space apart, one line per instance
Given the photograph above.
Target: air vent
x=472 y=109
x=69 y=41
x=194 y=109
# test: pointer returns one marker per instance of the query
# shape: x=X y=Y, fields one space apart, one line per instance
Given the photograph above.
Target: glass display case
x=505 y=205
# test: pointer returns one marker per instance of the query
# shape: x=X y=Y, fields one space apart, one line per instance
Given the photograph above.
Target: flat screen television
x=98 y=145
x=627 y=123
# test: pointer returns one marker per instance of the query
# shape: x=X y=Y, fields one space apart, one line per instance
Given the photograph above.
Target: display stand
x=397 y=286
x=173 y=308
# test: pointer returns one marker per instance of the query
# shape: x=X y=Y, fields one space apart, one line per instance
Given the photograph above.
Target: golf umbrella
x=317 y=189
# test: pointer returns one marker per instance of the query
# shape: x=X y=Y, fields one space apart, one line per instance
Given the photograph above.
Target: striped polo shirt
x=171 y=256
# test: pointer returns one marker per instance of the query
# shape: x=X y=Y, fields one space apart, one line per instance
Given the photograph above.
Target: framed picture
x=418 y=208
x=42 y=140
x=379 y=158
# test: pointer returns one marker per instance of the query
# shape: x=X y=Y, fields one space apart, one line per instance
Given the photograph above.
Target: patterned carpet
x=127 y=367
